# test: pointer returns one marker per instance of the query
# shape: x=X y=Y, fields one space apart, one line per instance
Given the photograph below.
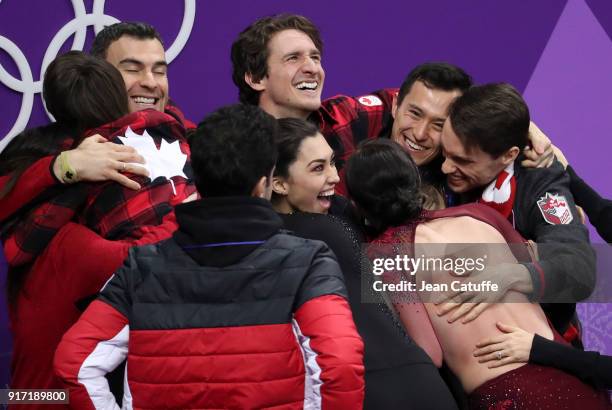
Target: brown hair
x=492 y=117
x=250 y=50
x=82 y=91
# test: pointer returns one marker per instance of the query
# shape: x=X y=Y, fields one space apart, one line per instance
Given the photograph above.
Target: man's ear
x=394 y=106
x=259 y=190
x=510 y=155
x=280 y=186
x=258 y=85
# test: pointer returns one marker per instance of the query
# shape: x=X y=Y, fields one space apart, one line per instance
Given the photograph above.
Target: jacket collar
x=221 y=231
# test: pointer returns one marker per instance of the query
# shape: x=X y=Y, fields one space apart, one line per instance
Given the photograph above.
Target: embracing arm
x=94 y=159
x=520 y=346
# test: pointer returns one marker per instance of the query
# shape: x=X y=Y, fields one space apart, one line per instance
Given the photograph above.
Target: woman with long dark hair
x=398 y=372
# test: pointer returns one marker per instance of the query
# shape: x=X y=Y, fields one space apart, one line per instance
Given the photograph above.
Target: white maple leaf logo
x=167 y=161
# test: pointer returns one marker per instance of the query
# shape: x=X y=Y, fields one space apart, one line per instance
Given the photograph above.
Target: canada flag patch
x=555 y=209
x=370 y=100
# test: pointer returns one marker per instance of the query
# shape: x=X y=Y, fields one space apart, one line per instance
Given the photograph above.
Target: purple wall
x=558 y=52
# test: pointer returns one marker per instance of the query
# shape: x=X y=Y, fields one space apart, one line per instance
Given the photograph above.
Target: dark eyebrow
x=130 y=61
x=465 y=160
x=320 y=160
x=140 y=63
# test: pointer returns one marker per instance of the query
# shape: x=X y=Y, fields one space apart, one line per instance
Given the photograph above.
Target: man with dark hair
x=112 y=33
x=277 y=65
x=231 y=312
x=481 y=141
x=136 y=50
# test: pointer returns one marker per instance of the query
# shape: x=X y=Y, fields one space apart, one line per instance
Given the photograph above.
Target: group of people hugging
x=155 y=263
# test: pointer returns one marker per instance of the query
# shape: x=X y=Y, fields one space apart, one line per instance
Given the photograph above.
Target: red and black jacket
x=107 y=208
x=264 y=323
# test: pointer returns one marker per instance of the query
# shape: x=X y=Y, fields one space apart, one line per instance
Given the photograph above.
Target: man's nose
x=420 y=131
x=448 y=167
x=147 y=79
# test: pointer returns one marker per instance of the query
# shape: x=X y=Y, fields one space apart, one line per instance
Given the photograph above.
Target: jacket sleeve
x=75 y=261
x=591 y=367
x=94 y=346
x=34 y=181
x=332 y=348
x=26 y=240
x=566 y=268
x=598 y=209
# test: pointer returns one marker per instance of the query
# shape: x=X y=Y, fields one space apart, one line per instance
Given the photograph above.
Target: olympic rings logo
x=77 y=26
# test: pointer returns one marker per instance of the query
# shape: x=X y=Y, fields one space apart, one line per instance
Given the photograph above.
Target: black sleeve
x=598 y=209
x=566 y=269
x=591 y=367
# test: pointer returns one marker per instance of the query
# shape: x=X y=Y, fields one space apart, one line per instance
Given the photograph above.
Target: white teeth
x=414 y=146
x=327 y=193
x=306 y=85
x=144 y=100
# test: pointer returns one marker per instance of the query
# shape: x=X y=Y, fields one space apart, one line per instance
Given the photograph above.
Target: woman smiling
x=305 y=176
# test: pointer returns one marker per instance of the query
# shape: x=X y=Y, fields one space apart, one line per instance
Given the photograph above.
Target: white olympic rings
x=77 y=26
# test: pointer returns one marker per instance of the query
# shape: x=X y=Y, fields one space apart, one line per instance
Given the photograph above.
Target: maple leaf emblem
x=167 y=161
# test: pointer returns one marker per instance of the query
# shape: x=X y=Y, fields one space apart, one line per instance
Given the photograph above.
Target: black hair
x=384 y=182
x=114 y=32
x=82 y=91
x=232 y=149
x=436 y=75
x=292 y=132
x=492 y=117
x=250 y=50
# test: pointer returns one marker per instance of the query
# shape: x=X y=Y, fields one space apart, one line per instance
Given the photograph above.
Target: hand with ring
x=513 y=346
x=96 y=159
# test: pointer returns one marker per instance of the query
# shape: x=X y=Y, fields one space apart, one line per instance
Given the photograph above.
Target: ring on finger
x=124 y=166
x=499 y=354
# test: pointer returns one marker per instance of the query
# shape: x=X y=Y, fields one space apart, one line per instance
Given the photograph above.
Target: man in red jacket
x=231 y=312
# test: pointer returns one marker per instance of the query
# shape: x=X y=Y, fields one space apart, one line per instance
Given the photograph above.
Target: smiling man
x=277 y=65
x=481 y=141
x=137 y=51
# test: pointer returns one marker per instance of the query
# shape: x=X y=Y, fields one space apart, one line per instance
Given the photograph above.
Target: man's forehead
x=128 y=47
x=434 y=101
x=290 y=41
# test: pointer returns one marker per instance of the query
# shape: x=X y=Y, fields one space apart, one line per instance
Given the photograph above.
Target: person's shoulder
x=291 y=240
x=457 y=229
x=539 y=176
x=327 y=228
x=164 y=250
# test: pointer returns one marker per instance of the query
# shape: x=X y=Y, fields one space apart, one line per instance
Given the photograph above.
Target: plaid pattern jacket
x=346 y=121
x=109 y=209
